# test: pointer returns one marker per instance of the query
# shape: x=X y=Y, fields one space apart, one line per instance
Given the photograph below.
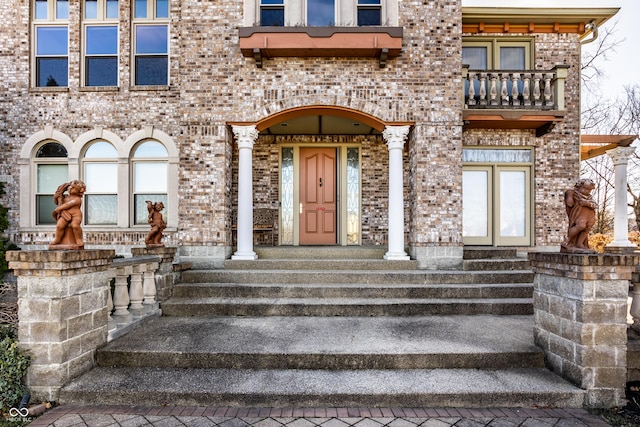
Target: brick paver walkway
x=170 y=416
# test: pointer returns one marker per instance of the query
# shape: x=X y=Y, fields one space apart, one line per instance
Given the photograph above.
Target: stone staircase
x=339 y=327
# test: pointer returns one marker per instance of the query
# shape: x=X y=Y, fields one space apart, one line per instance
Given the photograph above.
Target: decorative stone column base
x=438 y=257
x=62 y=313
x=580 y=320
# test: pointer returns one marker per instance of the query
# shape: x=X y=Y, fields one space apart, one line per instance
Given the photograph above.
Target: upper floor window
x=100 y=42
x=323 y=13
x=484 y=53
x=272 y=13
x=51 y=170
x=369 y=12
x=51 y=42
x=151 y=42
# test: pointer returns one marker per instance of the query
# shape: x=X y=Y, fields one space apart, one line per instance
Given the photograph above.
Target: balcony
x=499 y=99
x=351 y=42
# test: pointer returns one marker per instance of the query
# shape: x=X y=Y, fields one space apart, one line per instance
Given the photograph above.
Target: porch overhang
x=355 y=42
x=596 y=145
x=540 y=121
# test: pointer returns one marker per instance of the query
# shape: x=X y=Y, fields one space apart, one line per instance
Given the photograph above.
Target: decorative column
x=620 y=157
x=395 y=137
x=246 y=136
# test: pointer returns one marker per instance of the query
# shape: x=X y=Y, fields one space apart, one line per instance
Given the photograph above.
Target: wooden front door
x=318 y=213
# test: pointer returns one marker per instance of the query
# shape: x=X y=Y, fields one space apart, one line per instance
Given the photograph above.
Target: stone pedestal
x=62 y=312
x=580 y=320
x=165 y=276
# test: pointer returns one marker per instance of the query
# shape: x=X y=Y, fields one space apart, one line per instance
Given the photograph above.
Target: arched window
x=150 y=172
x=51 y=170
x=100 y=173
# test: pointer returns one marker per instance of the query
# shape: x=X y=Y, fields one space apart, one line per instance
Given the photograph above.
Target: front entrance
x=318 y=206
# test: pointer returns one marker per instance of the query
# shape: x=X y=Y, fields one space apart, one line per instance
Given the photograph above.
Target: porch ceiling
x=320 y=125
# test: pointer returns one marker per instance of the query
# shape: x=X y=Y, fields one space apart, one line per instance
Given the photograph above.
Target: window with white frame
x=51 y=43
x=151 y=42
x=100 y=26
x=150 y=173
x=100 y=173
x=51 y=170
x=323 y=13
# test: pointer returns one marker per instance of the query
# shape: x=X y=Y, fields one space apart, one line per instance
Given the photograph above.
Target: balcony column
x=395 y=138
x=246 y=136
x=620 y=157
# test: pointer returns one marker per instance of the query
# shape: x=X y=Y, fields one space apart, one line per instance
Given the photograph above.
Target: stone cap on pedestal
x=585 y=266
x=166 y=254
x=59 y=263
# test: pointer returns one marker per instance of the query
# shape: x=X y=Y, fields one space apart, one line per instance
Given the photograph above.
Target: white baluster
x=149 y=284
x=536 y=89
x=526 y=90
x=548 y=93
x=472 y=89
x=483 y=88
x=493 y=90
x=135 y=291
x=121 y=296
x=504 y=92
x=515 y=93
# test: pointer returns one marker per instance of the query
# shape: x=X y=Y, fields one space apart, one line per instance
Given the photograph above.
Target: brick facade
x=212 y=85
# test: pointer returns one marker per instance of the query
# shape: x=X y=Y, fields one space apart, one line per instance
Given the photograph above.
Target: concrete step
x=356 y=276
x=322 y=388
x=337 y=290
x=321 y=252
x=344 y=306
x=496 y=264
x=320 y=264
x=331 y=343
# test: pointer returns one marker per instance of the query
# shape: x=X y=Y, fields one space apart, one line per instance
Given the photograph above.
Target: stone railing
x=537 y=90
x=65 y=304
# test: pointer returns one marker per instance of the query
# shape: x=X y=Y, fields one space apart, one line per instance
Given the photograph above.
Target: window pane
x=41 y=10
x=512 y=58
x=44 y=209
x=272 y=2
x=512 y=203
x=52 y=72
x=369 y=2
x=52 y=149
x=353 y=196
x=101 y=150
x=102 y=71
x=62 y=9
x=91 y=9
x=112 y=9
x=140 y=9
x=150 y=177
x=368 y=17
x=151 y=39
x=286 y=197
x=101 y=177
x=272 y=17
x=475 y=203
x=141 y=214
x=151 y=149
x=51 y=41
x=152 y=71
x=162 y=8
x=50 y=177
x=102 y=40
x=101 y=209
x=320 y=13
x=475 y=57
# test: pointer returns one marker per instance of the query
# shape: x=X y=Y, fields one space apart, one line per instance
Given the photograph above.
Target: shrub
x=13 y=366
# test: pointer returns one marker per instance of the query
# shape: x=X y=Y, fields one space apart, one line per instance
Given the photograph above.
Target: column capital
x=395 y=136
x=246 y=135
x=621 y=155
